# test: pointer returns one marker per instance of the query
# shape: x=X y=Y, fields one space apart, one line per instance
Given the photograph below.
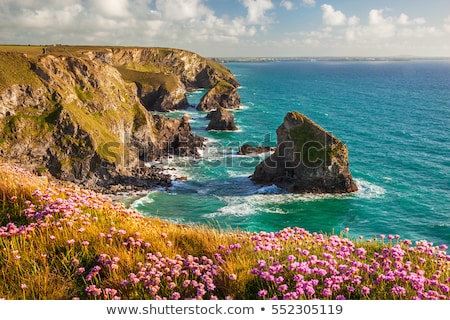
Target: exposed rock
x=176 y=137
x=21 y=95
x=249 y=149
x=307 y=159
x=81 y=121
x=223 y=94
x=221 y=119
x=164 y=76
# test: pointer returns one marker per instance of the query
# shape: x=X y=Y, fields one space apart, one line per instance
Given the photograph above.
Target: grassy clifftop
x=16 y=69
x=64 y=243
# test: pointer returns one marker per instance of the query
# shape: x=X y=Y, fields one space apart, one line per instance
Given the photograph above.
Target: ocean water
x=394 y=118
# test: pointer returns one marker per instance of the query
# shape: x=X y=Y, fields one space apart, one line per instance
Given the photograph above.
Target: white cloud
x=353 y=21
x=403 y=19
x=257 y=9
x=288 y=5
x=379 y=26
x=249 y=29
x=182 y=9
x=447 y=24
x=111 y=9
x=332 y=17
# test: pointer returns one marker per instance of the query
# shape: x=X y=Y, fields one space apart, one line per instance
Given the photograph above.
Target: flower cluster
x=96 y=242
x=181 y=277
x=341 y=270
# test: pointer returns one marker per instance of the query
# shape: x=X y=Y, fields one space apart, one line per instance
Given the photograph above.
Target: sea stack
x=307 y=159
x=221 y=119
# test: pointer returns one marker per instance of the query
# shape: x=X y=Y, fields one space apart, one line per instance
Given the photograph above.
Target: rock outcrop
x=164 y=76
x=176 y=137
x=221 y=119
x=76 y=115
x=246 y=149
x=307 y=159
x=222 y=95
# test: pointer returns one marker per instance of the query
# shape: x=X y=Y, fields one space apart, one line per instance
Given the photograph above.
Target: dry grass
x=65 y=242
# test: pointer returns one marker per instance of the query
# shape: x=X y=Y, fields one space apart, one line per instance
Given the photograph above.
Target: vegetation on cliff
x=307 y=159
x=66 y=243
x=81 y=113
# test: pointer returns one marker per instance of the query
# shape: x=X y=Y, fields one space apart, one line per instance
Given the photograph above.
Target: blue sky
x=231 y=28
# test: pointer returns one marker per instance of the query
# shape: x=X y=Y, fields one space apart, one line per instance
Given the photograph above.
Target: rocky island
x=81 y=114
x=307 y=159
x=221 y=119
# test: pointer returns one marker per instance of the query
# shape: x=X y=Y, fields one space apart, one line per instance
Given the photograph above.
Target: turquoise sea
x=394 y=117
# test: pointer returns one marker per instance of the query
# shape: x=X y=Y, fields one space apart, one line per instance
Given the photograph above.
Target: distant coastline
x=340 y=59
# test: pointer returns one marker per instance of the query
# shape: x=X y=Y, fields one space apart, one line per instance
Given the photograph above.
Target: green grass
x=223 y=87
x=107 y=145
x=150 y=81
x=16 y=69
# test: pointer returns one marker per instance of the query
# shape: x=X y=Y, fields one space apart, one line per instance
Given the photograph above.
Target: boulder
x=249 y=149
x=221 y=119
x=307 y=159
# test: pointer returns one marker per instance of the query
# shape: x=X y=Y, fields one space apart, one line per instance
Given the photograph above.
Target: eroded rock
x=307 y=159
x=221 y=119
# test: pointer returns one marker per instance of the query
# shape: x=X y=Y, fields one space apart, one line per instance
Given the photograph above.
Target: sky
x=237 y=28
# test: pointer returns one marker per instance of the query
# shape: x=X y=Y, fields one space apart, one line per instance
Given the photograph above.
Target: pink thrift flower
x=262 y=293
x=232 y=277
x=23 y=286
x=327 y=292
x=365 y=290
x=283 y=288
x=176 y=296
x=80 y=271
x=398 y=290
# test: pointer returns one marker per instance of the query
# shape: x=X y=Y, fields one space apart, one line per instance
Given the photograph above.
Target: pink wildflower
x=80 y=271
x=365 y=290
x=232 y=277
x=398 y=290
x=176 y=296
x=327 y=292
x=262 y=293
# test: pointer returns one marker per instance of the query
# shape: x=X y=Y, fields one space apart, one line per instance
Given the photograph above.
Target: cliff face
x=80 y=118
x=307 y=159
x=164 y=76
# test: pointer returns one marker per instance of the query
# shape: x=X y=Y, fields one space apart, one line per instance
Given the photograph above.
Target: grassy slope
x=16 y=69
x=61 y=243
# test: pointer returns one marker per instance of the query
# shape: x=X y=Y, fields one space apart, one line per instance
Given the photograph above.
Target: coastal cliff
x=81 y=114
x=307 y=159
